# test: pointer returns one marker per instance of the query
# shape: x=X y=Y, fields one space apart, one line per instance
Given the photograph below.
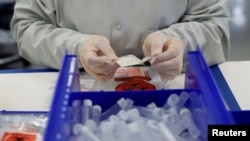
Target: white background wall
x=240 y=31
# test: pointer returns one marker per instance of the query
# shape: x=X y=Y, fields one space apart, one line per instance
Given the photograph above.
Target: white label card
x=131 y=60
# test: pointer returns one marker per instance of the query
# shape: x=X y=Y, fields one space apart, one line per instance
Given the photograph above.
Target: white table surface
x=237 y=75
x=34 y=91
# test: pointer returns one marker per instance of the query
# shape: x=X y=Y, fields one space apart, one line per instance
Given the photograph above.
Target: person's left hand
x=166 y=53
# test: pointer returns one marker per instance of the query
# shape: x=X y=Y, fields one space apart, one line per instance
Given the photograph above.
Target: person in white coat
x=100 y=31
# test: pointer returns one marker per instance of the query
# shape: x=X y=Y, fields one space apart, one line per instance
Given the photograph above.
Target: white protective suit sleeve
x=35 y=29
x=206 y=24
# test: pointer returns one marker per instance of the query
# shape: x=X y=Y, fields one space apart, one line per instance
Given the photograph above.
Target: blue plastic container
x=198 y=79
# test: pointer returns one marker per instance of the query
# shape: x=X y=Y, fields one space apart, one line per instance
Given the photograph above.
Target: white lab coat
x=44 y=29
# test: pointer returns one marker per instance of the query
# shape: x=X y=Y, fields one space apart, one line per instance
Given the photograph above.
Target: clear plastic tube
x=120 y=104
x=96 y=113
x=186 y=115
x=86 y=110
x=76 y=109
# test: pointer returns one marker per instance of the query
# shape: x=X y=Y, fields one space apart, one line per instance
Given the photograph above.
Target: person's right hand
x=97 y=57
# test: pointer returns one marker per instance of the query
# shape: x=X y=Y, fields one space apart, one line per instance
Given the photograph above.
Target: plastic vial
x=137 y=131
x=120 y=104
x=77 y=129
x=158 y=113
x=184 y=96
x=96 y=113
x=152 y=127
x=178 y=128
x=83 y=133
x=76 y=107
x=166 y=132
x=169 y=119
x=123 y=115
x=121 y=132
x=152 y=105
x=172 y=101
x=129 y=104
x=186 y=115
x=86 y=110
x=133 y=115
x=145 y=112
x=114 y=119
x=107 y=131
x=91 y=125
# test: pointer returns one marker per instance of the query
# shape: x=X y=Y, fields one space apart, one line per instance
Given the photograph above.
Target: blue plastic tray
x=198 y=79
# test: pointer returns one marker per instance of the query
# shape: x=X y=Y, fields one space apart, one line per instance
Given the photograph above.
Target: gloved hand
x=166 y=53
x=97 y=57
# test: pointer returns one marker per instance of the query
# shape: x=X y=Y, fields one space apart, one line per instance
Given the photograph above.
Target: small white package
x=131 y=60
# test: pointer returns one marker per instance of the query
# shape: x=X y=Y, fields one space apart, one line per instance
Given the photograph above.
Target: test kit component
x=126 y=121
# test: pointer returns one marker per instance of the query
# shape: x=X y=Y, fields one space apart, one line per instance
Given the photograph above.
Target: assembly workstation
x=31 y=92
x=41 y=104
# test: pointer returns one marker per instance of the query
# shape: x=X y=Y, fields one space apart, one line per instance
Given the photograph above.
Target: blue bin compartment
x=198 y=76
x=143 y=98
x=198 y=79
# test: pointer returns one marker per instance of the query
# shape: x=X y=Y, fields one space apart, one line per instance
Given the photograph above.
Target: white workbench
x=33 y=91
